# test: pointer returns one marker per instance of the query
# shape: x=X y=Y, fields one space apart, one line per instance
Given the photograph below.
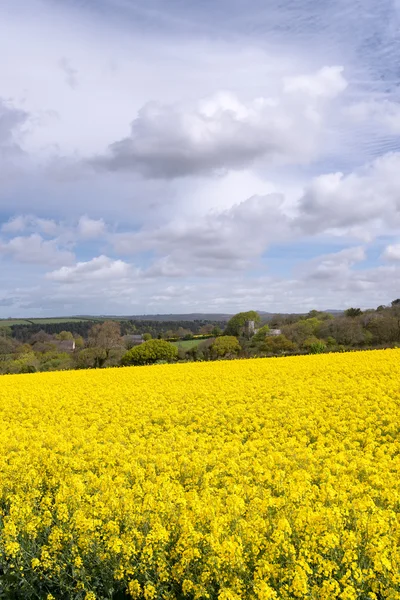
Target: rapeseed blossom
x=265 y=479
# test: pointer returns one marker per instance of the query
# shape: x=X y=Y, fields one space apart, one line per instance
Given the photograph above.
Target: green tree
x=261 y=334
x=150 y=352
x=237 y=323
x=277 y=344
x=225 y=345
x=216 y=331
x=104 y=337
x=353 y=312
x=147 y=337
x=79 y=342
x=302 y=330
x=64 y=335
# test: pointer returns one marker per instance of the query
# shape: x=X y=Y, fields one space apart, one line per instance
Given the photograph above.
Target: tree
x=303 y=329
x=347 y=332
x=7 y=347
x=237 y=323
x=216 y=331
x=261 y=334
x=79 y=342
x=5 y=331
x=103 y=337
x=150 y=352
x=64 y=335
x=277 y=344
x=147 y=337
x=206 y=329
x=225 y=345
x=353 y=312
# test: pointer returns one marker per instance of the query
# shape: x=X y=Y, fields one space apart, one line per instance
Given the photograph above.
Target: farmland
x=11 y=322
x=264 y=479
x=188 y=344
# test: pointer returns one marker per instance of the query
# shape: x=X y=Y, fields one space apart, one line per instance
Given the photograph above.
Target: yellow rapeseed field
x=264 y=479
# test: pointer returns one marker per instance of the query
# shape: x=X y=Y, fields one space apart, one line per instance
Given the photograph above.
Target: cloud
x=91 y=228
x=22 y=223
x=392 y=252
x=337 y=265
x=383 y=115
x=221 y=132
x=71 y=74
x=328 y=82
x=11 y=121
x=226 y=240
x=369 y=194
x=100 y=268
x=34 y=249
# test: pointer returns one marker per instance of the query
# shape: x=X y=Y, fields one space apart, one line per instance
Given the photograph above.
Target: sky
x=182 y=156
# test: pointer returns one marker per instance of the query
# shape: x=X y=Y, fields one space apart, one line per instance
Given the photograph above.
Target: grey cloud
x=337 y=200
x=228 y=240
x=334 y=266
x=221 y=132
x=11 y=120
x=71 y=74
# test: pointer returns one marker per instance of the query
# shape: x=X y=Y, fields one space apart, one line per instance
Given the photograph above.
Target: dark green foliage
x=353 y=312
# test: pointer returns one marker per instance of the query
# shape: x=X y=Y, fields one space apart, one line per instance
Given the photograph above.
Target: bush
x=225 y=345
x=150 y=352
x=317 y=348
x=277 y=344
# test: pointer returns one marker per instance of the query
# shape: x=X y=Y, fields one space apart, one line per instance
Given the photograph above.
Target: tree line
x=83 y=345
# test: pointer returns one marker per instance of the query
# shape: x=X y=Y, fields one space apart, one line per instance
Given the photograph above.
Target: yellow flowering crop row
x=258 y=479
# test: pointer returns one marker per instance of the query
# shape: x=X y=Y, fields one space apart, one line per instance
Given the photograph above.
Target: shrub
x=317 y=348
x=225 y=345
x=150 y=352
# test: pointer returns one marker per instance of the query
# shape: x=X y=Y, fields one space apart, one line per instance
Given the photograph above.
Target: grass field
x=10 y=322
x=187 y=344
x=259 y=479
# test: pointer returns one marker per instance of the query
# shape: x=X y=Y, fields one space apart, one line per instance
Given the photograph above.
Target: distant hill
x=207 y=317
x=166 y=317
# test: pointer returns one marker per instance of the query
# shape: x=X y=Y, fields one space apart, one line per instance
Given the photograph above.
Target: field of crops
x=188 y=344
x=11 y=322
x=264 y=479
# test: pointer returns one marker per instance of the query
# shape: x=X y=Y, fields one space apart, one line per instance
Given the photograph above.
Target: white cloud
x=91 y=228
x=337 y=265
x=382 y=115
x=221 y=132
x=226 y=240
x=392 y=252
x=23 y=223
x=35 y=250
x=328 y=82
x=344 y=201
x=100 y=268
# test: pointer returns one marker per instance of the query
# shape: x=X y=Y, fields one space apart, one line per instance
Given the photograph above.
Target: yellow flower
x=134 y=588
x=260 y=478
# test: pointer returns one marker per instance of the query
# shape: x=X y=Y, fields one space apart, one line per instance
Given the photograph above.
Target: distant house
x=132 y=339
x=274 y=332
x=65 y=345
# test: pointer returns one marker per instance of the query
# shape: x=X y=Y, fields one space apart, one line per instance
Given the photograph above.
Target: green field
x=10 y=322
x=187 y=344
